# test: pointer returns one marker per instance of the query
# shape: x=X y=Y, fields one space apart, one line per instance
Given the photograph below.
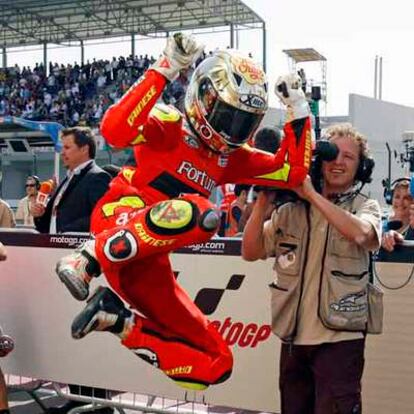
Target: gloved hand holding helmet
x=180 y=52
x=226 y=100
x=288 y=89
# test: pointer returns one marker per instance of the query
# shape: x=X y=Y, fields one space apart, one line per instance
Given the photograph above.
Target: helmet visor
x=234 y=125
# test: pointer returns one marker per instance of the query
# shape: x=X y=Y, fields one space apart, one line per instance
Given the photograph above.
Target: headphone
x=36 y=180
x=365 y=169
x=390 y=188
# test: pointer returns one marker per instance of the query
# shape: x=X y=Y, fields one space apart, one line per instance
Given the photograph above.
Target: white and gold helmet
x=226 y=100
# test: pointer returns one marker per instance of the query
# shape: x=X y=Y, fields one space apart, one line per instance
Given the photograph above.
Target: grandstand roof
x=30 y=22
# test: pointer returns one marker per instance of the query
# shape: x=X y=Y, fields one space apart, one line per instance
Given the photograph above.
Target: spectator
x=174 y=94
x=319 y=298
x=72 y=93
x=236 y=210
x=268 y=139
x=302 y=75
x=224 y=197
x=6 y=215
x=70 y=207
x=23 y=214
x=400 y=199
x=251 y=200
x=409 y=235
x=393 y=238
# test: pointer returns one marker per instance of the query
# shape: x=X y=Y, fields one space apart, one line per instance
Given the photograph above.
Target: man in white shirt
x=70 y=207
x=69 y=210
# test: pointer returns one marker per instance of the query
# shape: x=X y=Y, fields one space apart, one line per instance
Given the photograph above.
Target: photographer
x=400 y=199
x=321 y=245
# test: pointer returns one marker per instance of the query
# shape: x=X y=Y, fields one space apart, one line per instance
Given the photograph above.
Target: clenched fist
x=180 y=52
x=288 y=89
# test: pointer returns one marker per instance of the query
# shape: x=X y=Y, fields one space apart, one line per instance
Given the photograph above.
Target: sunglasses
x=30 y=185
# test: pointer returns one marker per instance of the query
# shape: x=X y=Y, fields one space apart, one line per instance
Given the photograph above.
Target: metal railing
x=119 y=401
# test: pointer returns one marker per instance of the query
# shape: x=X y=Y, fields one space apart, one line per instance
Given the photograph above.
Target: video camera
x=324 y=151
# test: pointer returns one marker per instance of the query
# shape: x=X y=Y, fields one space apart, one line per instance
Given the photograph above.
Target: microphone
x=43 y=194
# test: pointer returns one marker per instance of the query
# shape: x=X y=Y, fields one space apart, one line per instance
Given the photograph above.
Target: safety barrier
x=37 y=311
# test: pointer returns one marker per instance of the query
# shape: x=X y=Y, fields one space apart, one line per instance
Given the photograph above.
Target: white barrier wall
x=37 y=311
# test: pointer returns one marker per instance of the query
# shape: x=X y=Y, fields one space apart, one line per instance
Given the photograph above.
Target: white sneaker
x=77 y=269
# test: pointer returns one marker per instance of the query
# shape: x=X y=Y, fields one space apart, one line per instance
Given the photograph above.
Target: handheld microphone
x=43 y=194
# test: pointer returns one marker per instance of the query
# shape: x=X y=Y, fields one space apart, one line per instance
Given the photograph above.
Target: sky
x=348 y=33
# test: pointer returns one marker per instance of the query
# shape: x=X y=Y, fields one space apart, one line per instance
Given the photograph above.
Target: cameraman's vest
x=347 y=301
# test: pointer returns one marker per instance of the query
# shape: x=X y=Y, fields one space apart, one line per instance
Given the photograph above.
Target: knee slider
x=209 y=220
x=172 y=217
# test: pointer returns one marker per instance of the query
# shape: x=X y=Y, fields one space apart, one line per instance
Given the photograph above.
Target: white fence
x=37 y=311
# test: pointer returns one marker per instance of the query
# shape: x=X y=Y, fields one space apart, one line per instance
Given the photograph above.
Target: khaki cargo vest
x=347 y=299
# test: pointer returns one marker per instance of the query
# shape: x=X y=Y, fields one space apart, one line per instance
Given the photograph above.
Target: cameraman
x=321 y=246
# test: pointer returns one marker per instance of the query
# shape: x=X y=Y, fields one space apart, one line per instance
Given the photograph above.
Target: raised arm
x=289 y=166
x=122 y=123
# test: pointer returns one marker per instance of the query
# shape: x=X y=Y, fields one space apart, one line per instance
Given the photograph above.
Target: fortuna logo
x=199 y=177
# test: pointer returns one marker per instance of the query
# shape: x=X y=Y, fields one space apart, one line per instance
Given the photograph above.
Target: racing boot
x=77 y=269
x=104 y=312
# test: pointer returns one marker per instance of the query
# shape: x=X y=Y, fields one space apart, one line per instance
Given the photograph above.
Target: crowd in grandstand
x=71 y=94
x=77 y=94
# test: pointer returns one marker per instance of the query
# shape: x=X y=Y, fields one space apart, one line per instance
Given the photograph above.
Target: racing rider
x=163 y=203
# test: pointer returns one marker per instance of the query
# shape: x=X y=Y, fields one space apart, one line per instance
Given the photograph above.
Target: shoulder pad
x=165 y=113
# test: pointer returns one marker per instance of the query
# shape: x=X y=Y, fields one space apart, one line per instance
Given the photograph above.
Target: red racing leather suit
x=162 y=205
